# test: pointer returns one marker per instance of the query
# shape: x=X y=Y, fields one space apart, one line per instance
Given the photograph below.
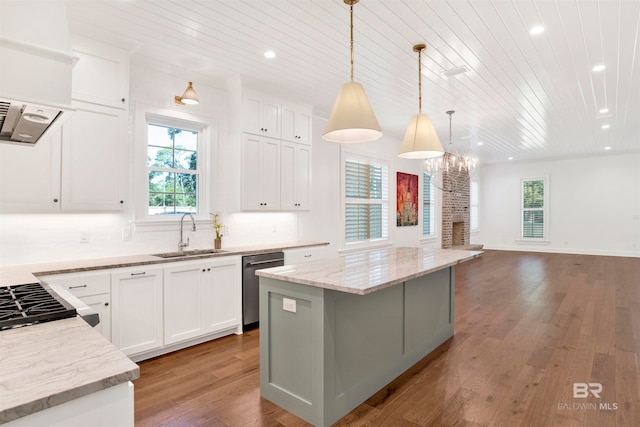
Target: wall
x=323 y=221
x=594 y=205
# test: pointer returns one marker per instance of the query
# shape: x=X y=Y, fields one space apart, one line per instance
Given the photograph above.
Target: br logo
x=582 y=390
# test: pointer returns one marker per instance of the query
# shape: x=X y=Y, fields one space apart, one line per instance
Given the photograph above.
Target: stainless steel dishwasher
x=250 y=289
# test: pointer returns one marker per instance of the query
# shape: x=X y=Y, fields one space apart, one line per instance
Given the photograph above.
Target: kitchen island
x=334 y=332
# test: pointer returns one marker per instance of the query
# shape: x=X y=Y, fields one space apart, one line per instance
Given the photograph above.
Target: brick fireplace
x=455 y=210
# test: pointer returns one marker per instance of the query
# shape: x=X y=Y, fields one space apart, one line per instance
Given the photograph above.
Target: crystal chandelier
x=451 y=171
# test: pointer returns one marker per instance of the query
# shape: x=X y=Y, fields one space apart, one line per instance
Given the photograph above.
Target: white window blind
x=428 y=206
x=533 y=209
x=366 y=200
x=473 y=201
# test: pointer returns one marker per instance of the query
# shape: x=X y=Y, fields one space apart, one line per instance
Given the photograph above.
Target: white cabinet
x=261 y=115
x=296 y=124
x=201 y=297
x=82 y=167
x=30 y=176
x=295 y=176
x=136 y=316
x=306 y=254
x=101 y=74
x=260 y=173
x=92 y=288
x=94 y=160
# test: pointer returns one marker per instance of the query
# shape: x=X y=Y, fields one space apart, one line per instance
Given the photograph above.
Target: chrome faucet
x=181 y=244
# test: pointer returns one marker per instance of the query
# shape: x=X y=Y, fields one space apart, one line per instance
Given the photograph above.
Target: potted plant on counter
x=217 y=227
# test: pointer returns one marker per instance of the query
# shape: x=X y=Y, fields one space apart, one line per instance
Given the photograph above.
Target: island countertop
x=51 y=363
x=366 y=272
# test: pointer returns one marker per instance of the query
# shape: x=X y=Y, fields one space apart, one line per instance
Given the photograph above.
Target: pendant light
x=420 y=141
x=352 y=118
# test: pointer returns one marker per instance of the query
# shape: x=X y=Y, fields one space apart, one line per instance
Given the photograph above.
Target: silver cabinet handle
x=266 y=262
x=76 y=287
x=139 y=274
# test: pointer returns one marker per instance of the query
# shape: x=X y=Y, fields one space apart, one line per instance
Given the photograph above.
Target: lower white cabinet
x=93 y=288
x=201 y=297
x=137 y=311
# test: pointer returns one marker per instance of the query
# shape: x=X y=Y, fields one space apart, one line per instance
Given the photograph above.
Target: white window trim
x=436 y=213
x=372 y=244
x=146 y=114
x=528 y=240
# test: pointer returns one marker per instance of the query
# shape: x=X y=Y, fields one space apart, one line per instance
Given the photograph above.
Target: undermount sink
x=194 y=252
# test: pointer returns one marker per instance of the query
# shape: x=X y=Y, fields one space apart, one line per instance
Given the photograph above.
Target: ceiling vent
x=455 y=71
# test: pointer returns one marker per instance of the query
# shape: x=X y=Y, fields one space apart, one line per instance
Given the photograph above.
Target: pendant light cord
x=351 y=37
x=420 y=81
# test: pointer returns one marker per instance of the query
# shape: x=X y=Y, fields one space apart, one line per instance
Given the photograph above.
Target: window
x=533 y=208
x=473 y=203
x=174 y=171
x=428 y=207
x=366 y=200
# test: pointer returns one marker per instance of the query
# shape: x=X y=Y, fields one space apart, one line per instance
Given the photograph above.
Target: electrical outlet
x=289 y=304
x=84 y=235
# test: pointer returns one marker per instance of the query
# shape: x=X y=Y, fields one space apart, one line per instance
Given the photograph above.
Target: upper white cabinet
x=30 y=176
x=260 y=173
x=94 y=160
x=295 y=168
x=82 y=167
x=261 y=115
x=296 y=124
x=101 y=74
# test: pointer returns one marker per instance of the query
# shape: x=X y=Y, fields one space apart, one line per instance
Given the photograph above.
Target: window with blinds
x=533 y=209
x=473 y=202
x=428 y=206
x=366 y=200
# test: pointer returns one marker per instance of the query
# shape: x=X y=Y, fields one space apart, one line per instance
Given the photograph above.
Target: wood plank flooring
x=527 y=327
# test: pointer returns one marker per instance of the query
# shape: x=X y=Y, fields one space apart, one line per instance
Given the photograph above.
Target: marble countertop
x=18 y=274
x=365 y=272
x=47 y=364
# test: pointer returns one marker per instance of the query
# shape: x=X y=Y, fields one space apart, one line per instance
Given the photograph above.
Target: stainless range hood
x=35 y=70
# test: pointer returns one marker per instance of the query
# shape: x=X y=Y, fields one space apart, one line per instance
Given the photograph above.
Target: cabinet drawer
x=82 y=284
x=301 y=255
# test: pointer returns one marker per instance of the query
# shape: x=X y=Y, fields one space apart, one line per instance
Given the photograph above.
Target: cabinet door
x=222 y=294
x=30 y=176
x=183 y=316
x=136 y=312
x=102 y=305
x=296 y=124
x=260 y=173
x=261 y=115
x=295 y=176
x=93 y=159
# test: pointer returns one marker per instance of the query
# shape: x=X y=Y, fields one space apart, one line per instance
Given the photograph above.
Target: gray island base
x=334 y=332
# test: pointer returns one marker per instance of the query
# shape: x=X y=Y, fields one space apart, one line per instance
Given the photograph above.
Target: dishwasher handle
x=269 y=261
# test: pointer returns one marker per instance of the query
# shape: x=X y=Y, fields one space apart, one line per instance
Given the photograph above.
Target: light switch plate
x=289 y=304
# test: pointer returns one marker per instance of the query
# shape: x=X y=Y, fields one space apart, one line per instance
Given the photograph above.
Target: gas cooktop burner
x=22 y=305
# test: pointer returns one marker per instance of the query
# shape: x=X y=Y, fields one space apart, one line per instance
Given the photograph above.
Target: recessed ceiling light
x=538 y=29
x=269 y=54
x=603 y=110
x=510 y=158
x=598 y=68
x=480 y=143
x=605 y=126
x=607 y=148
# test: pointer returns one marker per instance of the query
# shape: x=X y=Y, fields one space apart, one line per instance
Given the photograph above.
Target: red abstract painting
x=406 y=199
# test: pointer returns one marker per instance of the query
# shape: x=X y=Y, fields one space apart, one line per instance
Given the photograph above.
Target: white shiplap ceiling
x=526 y=97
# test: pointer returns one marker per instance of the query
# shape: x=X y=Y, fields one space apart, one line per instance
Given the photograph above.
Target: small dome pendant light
x=352 y=119
x=420 y=141
x=189 y=96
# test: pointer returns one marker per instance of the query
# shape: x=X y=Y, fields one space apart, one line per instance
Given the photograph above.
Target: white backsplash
x=36 y=238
